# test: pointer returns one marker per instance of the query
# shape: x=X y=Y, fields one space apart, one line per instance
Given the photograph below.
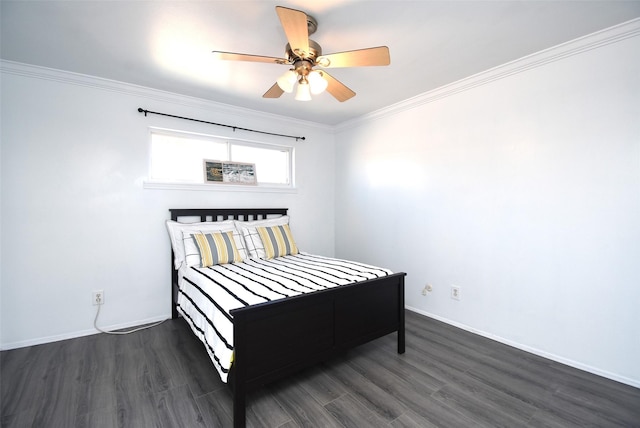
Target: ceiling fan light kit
x=303 y=54
x=287 y=81
x=303 y=93
x=317 y=84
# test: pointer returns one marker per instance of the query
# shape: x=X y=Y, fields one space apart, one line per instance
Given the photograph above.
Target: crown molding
x=577 y=46
x=143 y=92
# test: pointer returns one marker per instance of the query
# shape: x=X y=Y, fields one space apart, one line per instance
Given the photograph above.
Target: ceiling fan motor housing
x=315 y=51
x=312 y=24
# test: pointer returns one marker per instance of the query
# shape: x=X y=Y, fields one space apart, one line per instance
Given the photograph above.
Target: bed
x=275 y=338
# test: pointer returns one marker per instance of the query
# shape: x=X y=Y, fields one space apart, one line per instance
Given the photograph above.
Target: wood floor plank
x=543 y=419
x=574 y=412
x=520 y=384
x=195 y=369
x=23 y=372
x=436 y=412
x=58 y=405
x=477 y=409
x=399 y=366
x=305 y=412
x=493 y=397
x=366 y=391
x=177 y=407
x=411 y=419
x=102 y=418
x=147 y=369
x=95 y=394
x=20 y=419
x=423 y=361
x=264 y=411
x=323 y=387
x=216 y=408
x=353 y=414
x=617 y=408
x=135 y=408
x=409 y=393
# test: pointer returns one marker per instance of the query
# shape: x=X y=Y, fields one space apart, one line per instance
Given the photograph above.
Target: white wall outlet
x=427 y=289
x=455 y=292
x=97 y=297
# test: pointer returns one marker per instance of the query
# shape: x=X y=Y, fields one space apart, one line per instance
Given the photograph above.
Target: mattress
x=207 y=295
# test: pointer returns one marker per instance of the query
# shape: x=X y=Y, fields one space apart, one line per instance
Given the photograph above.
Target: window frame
x=149 y=183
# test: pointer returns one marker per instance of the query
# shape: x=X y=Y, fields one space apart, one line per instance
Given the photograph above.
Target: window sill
x=159 y=185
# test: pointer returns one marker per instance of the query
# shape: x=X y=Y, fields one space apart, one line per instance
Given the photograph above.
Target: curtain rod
x=141 y=110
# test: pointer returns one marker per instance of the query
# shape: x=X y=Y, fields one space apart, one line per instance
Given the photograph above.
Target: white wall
x=75 y=215
x=522 y=187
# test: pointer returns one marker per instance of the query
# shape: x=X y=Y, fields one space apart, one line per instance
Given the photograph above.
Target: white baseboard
x=556 y=358
x=82 y=333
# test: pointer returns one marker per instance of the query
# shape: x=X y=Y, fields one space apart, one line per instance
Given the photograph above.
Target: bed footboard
x=276 y=339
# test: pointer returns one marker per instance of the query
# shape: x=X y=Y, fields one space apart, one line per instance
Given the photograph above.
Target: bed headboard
x=220 y=214
x=214 y=214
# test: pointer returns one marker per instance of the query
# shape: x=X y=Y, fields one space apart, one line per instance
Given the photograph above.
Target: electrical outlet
x=455 y=292
x=97 y=297
x=427 y=289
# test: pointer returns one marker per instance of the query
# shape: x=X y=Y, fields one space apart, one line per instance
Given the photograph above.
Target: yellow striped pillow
x=277 y=241
x=216 y=248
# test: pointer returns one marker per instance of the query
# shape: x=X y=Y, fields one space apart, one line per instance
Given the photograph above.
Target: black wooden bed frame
x=275 y=339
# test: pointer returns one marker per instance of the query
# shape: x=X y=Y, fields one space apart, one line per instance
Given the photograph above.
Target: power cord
x=95 y=324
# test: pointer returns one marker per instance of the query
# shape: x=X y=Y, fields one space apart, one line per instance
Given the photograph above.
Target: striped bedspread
x=207 y=295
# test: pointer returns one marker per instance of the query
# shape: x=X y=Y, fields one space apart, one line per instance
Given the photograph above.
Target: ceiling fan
x=303 y=54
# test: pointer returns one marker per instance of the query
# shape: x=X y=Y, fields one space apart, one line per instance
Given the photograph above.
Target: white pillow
x=255 y=248
x=177 y=238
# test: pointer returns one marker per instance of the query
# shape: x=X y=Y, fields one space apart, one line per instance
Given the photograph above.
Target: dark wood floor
x=162 y=377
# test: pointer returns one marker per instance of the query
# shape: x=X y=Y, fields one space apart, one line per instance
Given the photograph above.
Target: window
x=177 y=157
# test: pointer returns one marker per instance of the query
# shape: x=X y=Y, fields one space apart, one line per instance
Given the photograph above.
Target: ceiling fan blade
x=337 y=88
x=273 y=92
x=358 y=58
x=294 y=23
x=232 y=56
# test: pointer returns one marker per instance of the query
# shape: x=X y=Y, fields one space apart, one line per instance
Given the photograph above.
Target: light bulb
x=317 y=83
x=287 y=80
x=303 y=93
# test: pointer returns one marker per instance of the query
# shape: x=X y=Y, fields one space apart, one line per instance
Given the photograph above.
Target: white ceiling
x=167 y=44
